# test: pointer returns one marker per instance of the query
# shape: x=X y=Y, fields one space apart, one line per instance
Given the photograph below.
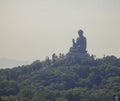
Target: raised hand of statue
x=74 y=44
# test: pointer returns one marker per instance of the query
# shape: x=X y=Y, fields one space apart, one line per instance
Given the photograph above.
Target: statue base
x=74 y=52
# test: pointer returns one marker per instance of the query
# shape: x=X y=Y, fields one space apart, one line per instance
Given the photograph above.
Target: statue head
x=80 y=32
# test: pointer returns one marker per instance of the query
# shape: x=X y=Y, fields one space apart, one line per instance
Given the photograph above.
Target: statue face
x=80 y=32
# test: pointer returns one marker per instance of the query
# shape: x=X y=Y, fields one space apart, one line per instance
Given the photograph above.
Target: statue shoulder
x=84 y=38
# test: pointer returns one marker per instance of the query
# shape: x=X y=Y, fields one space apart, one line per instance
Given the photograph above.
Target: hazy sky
x=34 y=29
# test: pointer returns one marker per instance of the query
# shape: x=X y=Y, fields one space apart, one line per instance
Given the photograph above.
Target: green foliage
x=8 y=88
x=62 y=80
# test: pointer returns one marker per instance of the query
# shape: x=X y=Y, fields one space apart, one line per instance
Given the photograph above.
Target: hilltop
x=60 y=80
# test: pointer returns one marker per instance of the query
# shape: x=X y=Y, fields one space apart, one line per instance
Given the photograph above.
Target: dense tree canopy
x=62 y=80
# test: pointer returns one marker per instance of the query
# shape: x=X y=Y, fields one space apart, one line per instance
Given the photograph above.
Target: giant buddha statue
x=79 y=46
x=80 y=43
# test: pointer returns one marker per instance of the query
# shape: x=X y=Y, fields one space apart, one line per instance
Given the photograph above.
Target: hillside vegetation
x=59 y=79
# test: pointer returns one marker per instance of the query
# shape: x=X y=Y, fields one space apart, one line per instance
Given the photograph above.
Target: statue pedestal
x=74 y=52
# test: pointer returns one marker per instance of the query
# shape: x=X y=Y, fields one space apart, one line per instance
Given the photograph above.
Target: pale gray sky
x=34 y=29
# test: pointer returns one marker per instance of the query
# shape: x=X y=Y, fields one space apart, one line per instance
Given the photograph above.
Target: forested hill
x=62 y=80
